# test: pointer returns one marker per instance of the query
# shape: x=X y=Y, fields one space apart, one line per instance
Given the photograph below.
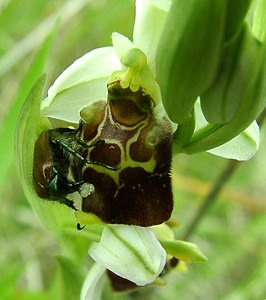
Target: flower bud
x=189 y=53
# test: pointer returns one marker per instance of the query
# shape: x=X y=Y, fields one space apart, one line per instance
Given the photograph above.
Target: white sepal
x=131 y=252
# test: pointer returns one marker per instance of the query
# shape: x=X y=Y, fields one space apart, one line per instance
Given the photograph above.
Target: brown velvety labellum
x=120 y=284
x=139 y=145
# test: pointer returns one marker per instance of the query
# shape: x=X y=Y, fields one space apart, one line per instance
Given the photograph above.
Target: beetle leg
x=83 y=159
x=70 y=150
x=68 y=203
x=75 y=185
x=92 y=162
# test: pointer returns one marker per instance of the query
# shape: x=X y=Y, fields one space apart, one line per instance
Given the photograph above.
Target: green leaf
x=211 y=136
x=7 y=133
x=8 y=277
x=185 y=251
x=68 y=280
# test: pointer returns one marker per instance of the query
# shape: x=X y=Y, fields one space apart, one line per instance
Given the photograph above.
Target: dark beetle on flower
x=57 y=167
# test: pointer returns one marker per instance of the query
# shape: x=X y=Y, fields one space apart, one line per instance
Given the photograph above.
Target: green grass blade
x=7 y=132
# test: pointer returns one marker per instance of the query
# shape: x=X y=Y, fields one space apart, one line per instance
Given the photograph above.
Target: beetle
x=59 y=157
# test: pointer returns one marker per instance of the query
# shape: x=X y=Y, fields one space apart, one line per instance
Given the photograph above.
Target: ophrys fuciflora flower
x=124 y=151
x=109 y=142
x=139 y=145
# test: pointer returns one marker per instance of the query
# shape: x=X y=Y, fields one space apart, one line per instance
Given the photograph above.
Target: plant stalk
x=217 y=187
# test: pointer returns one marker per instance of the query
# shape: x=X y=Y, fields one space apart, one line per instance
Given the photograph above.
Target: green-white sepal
x=242 y=147
x=93 y=283
x=81 y=83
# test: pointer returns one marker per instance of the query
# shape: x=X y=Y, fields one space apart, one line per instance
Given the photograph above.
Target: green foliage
x=68 y=280
x=236 y=12
x=213 y=54
x=7 y=132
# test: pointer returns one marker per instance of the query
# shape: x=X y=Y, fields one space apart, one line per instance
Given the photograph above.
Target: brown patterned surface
x=140 y=146
x=120 y=147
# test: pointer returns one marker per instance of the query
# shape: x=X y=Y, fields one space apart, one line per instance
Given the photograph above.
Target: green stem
x=218 y=185
x=211 y=197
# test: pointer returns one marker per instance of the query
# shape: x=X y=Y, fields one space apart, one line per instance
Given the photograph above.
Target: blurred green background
x=232 y=233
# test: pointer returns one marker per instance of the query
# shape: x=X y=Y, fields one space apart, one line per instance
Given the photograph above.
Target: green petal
x=185 y=251
x=149 y=22
x=131 y=252
x=242 y=147
x=163 y=231
x=81 y=83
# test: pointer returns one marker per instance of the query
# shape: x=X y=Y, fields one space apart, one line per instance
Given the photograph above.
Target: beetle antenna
x=98 y=143
x=92 y=162
x=68 y=203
